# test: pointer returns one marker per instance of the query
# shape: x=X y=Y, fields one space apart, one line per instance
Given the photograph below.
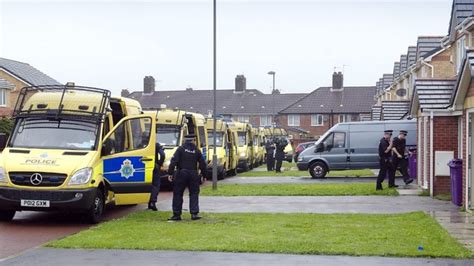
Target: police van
x=245 y=145
x=76 y=149
x=226 y=148
x=172 y=126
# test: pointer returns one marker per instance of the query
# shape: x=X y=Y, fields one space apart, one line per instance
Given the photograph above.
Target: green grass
x=327 y=189
x=333 y=234
x=335 y=173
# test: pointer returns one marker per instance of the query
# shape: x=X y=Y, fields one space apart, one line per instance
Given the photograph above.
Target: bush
x=6 y=125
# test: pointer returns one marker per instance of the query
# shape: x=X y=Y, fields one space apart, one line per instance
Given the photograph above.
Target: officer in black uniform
x=270 y=149
x=156 y=182
x=398 y=158
x=280 y=153
x=385 y=148
x=185 y=159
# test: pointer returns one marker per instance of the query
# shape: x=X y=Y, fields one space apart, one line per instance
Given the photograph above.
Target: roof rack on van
x=63 y=101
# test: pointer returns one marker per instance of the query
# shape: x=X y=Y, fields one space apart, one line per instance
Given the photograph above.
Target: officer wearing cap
x=156 y=182
x=398 y=158
x=185 y=159
x=385 y=148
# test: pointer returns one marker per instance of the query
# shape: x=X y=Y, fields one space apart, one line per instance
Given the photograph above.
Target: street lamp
x=272 y=73
x=214 y=156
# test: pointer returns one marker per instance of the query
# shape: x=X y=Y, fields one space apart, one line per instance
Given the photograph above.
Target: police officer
x=398 y=158
x=185 y=159
x=270 y=149
x=156 y=182
x=280 y=153
x=385 y=148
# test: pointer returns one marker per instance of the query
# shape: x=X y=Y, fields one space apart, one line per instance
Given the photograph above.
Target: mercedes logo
x=36 y=179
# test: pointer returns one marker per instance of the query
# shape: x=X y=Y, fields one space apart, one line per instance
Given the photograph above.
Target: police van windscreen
x=242 y=138
x=54 y=134
x=168 y=135
x=219 y=138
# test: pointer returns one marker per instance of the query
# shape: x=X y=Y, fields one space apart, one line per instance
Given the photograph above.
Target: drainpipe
x=431 y=154
x=430 y=66
x=425 y=154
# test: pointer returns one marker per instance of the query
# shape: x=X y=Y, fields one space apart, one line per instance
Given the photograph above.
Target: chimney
x=337 y=81
x=148 y=85
x=240 y=84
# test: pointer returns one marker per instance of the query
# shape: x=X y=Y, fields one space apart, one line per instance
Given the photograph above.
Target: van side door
x=128 y=158
x=363 y=150
x=335 y=150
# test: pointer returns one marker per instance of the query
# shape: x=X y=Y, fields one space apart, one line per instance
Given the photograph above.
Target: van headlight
x=3 y=178
x=242 y=154
x=300 y=158
x=81 y=176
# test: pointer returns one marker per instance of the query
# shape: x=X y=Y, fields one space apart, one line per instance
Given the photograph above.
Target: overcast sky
x=113 y=45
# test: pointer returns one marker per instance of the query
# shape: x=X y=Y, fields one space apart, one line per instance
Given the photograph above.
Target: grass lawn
x=344 y=234
x=327 y=189
x=335 y=173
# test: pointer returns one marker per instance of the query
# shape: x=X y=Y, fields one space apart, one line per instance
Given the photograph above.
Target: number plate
x=35 y=203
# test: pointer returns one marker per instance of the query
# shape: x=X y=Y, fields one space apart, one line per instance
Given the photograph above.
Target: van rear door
x=128 y=154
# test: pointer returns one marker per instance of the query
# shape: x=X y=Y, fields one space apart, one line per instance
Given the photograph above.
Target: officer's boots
x=152 y=206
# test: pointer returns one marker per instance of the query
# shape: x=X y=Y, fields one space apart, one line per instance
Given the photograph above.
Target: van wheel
x=221 y=174
x=318 y=170
x=6 y=216
x=94 y=214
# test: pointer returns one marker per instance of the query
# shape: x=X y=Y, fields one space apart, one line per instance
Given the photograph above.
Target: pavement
x=318 y=204
x=47 y=256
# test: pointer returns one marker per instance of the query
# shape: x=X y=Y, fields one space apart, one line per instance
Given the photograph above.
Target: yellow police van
x=245 y=145
x=272 y=133
x=172 y=126
x=76 y=149
x=226 y=148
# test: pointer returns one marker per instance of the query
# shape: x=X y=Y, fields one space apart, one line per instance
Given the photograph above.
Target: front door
x=128 y=155
x=470 y=162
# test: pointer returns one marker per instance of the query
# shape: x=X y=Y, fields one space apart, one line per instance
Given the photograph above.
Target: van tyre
x=94 y=214
x=318 y=170
x=6 y=216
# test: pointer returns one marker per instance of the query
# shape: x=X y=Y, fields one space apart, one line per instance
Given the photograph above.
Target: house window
x=294 y=120
x=265 y=120
x=3 y=97
x=243 y=118
x=317 y=120
x=460 y=52
x=341 y=119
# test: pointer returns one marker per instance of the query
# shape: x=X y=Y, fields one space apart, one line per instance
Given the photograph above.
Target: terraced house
x=302 y=114
x=15 y=75
x=437 y=84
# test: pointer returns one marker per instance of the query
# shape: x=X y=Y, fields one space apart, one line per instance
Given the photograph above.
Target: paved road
x=320 y=204
x=31 y=229
x=46 y=256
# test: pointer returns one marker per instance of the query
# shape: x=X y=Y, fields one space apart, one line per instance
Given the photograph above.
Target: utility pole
x=214 y=156
x=272 y=73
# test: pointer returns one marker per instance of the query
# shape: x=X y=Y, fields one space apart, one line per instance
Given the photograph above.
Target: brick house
x=15 y=75
x=260 y=109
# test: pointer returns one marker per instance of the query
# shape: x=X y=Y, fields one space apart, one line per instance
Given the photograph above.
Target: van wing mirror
x=319 y=147
x=3 y=141
x=107 y=147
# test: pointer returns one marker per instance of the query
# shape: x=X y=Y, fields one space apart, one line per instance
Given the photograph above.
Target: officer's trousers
x=279 y=162
x=385 y=170
x=402 y=165
x=270 y=162
x=155 y=184
x=186 y=179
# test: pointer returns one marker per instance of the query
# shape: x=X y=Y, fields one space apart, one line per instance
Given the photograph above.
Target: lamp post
x=214 y=156
x=272 y=73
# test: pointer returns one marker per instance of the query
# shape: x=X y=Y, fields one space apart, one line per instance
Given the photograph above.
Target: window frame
x=318 y=116
x=293 y=124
